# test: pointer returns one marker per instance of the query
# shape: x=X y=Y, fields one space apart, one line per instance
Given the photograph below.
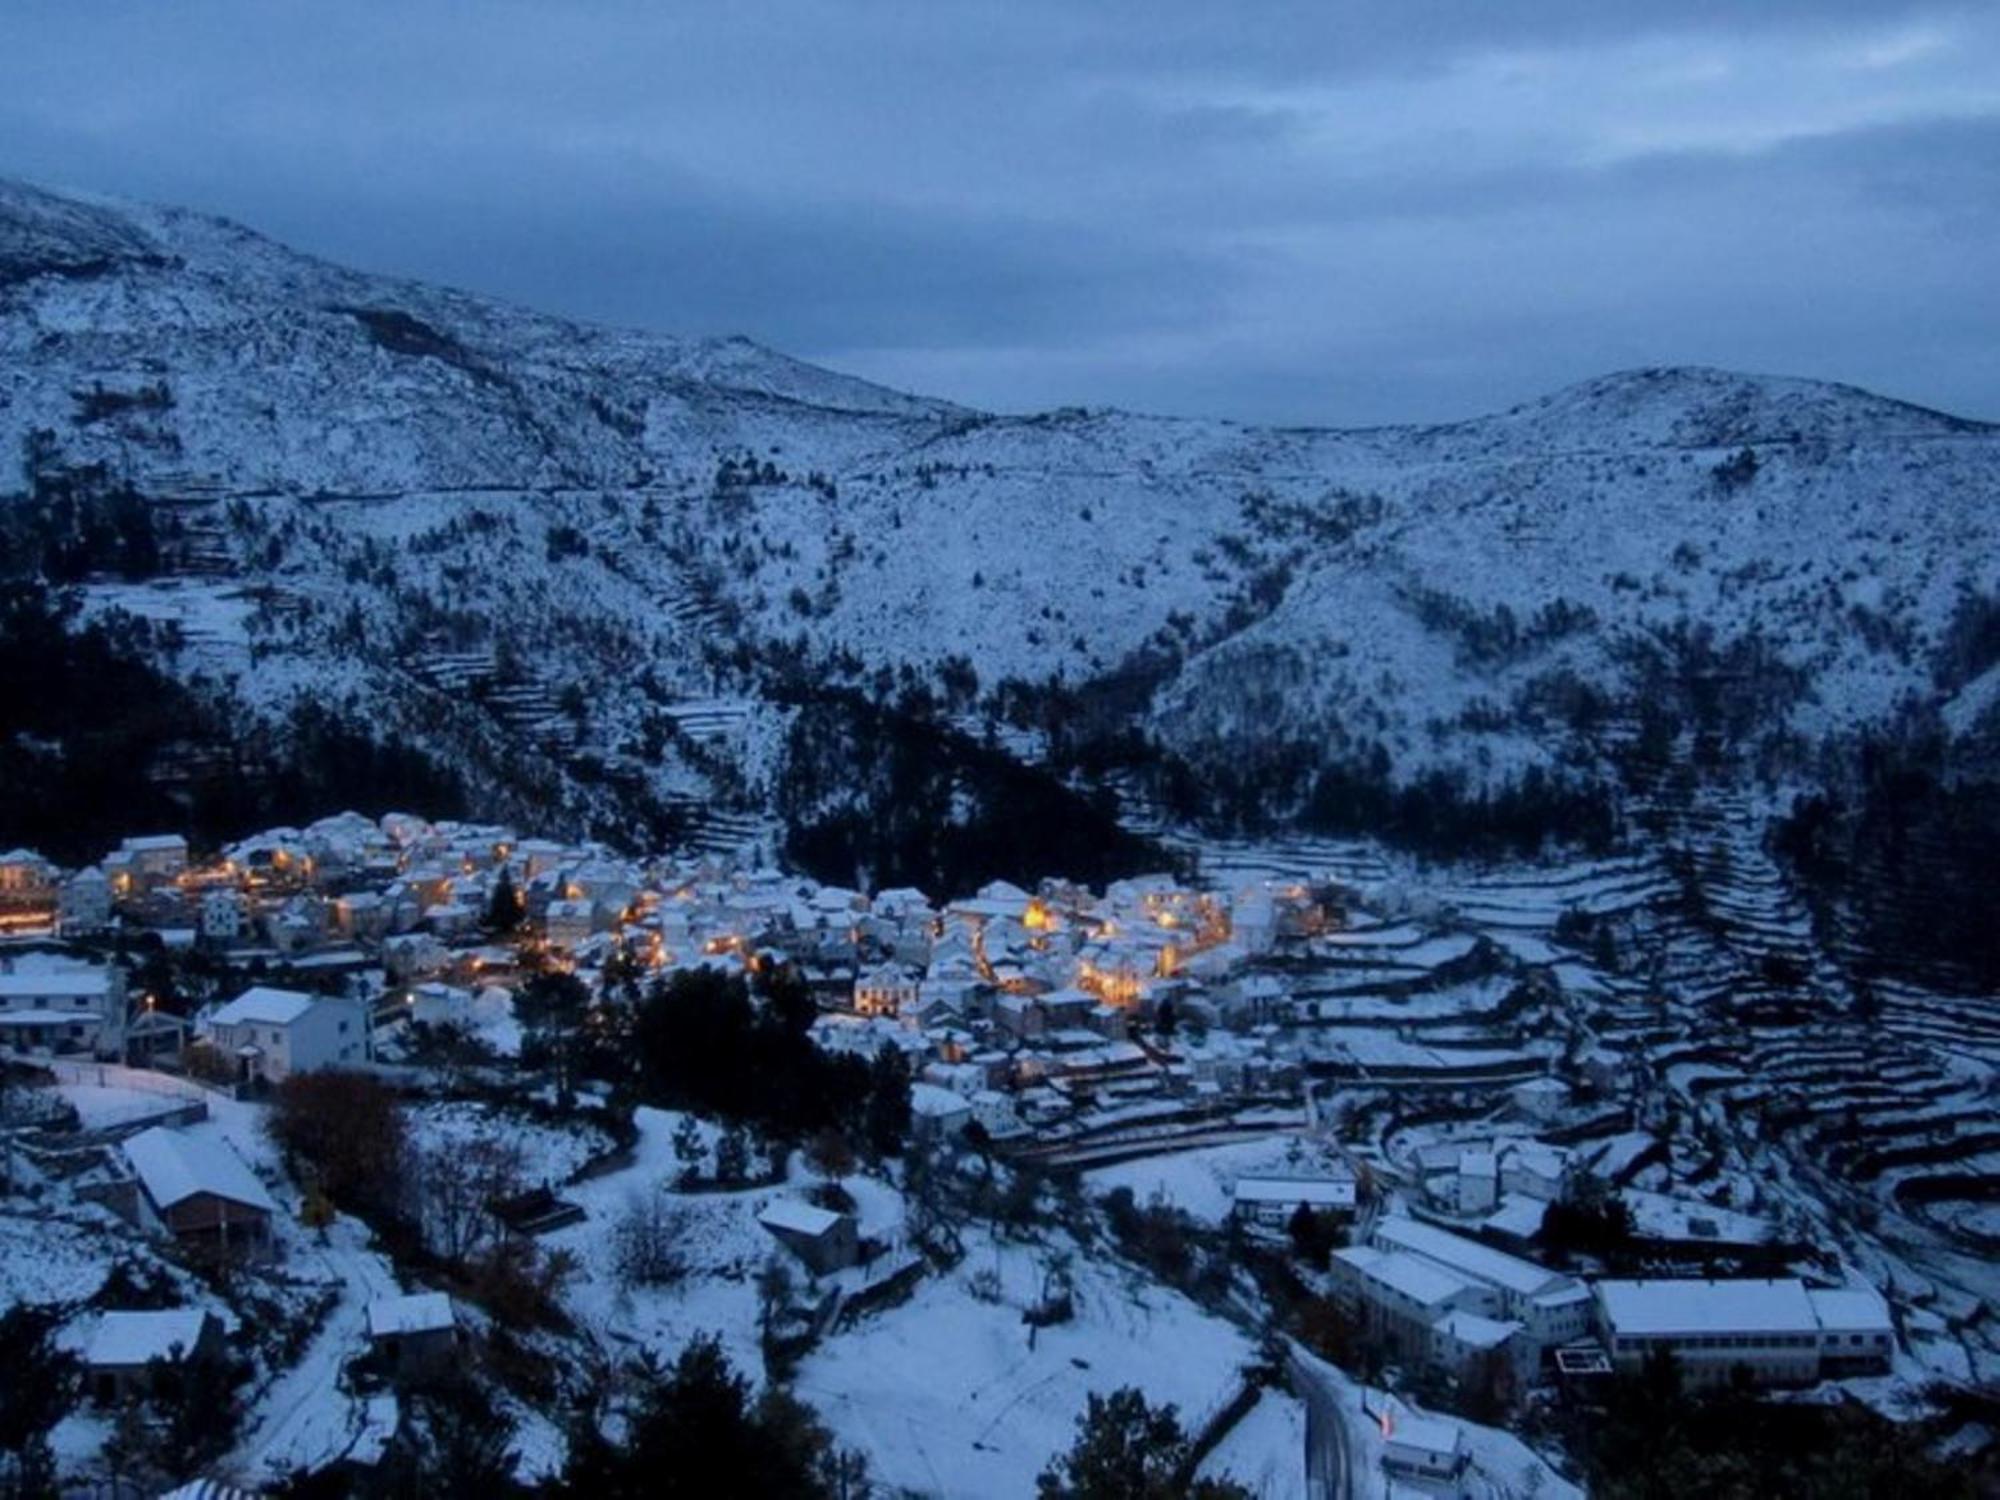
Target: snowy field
x=946 y=1396
x=1200 y=1183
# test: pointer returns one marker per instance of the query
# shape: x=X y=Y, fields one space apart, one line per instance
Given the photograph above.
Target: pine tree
x=888 y=1109
x=38 y=1386
x=1127 y=1450
x=505 y=910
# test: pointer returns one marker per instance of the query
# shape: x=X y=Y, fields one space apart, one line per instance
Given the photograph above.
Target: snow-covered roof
x=414 y=1312
x=137 y=1338
x=264 y=1006
x=1704 y=1307
x=154 y=843
x=1851 y=1309
x=173 y=1167
x=1469 y=1257
x=797 y=1217
x=928 y=1099
x=1474 y=1331
x=75 y=984
x=1336 y=1192
x=1428 y=1434
x=1425 y=1284
x=1519 y=1214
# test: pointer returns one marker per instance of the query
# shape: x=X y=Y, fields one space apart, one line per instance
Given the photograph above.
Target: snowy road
x=304 y=1420
x=1329 y=1462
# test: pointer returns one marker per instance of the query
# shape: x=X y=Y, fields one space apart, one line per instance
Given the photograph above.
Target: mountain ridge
x=1189 y=617
x=26 y=205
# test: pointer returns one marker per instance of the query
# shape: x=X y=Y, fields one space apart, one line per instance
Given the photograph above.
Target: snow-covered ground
x=1200 y=1183
x=1265 y=1452
x=946 y=1396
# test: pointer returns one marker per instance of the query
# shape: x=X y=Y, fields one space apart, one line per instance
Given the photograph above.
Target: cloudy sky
x=1327 y=212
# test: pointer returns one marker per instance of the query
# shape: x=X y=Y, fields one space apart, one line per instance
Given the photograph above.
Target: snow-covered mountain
x=462 y=522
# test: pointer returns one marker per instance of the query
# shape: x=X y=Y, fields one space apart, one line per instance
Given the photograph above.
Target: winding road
x=1329 y=1456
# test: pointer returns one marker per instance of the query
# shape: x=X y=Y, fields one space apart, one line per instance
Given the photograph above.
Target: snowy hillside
x=480 y=528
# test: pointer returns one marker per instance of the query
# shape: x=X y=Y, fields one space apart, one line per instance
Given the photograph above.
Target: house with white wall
x=272 y=1033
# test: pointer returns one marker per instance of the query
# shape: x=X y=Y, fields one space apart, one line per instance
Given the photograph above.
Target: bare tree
x=647 y=1241
x=454 y=1187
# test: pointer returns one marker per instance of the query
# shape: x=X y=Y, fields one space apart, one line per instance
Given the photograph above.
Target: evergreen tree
x=505 y=910
x=695 y=1432
x=552 y=1009
x=888 y=1113
x=38 y=1386
x=464 y=1450
x=1127 y=1450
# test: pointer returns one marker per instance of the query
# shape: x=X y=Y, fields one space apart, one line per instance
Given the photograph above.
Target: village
x=1459 y=1190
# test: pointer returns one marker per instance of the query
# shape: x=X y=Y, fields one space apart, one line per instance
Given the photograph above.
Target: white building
x=1856 y=1334
x=413 y=955
x=1424 y=1451
x=27 y=889
x=63 y=1009
x=1478 y=1182
x=225 y=916
x=1779 y=1330
x=938 y=1114
x=1552 y=1307
x=889 y=990
x=154 y=858
x=1270 y=1202
x=273 y=1033
x=84 y=903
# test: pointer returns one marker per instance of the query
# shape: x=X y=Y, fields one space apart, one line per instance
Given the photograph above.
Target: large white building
x=1780 y=1331
x=1437 y=1298
x=1552 y=1307
x=273 y=1034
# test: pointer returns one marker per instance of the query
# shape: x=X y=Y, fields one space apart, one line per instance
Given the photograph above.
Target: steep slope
x=630 y=560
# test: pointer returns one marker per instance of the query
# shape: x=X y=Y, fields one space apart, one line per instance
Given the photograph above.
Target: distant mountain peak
x=51 y=234
x=1699 y=406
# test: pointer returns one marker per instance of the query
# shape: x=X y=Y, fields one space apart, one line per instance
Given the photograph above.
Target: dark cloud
x=1313 y=211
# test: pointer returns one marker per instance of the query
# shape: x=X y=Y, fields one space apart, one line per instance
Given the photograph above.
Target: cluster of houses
x=191 y=1186
x=1017 y=1008
x=1026 y=1014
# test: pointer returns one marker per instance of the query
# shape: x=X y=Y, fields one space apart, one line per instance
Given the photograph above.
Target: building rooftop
x=1468 y=1257
x=931 y=1100
x=1428 y=1434
x=137 y=1338
x=1850 y=1309
x=415 y=1312
x=1316 y=1192
x=1425 y=1284
x=1475 y=1331
x=173 y=1167
x=797 y=1217
x=1706 y=1307
x=264 y=1006
x=72 y=984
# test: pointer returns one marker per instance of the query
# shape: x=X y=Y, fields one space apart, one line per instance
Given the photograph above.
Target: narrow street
x=304 y=1419
x=1329 y=1454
